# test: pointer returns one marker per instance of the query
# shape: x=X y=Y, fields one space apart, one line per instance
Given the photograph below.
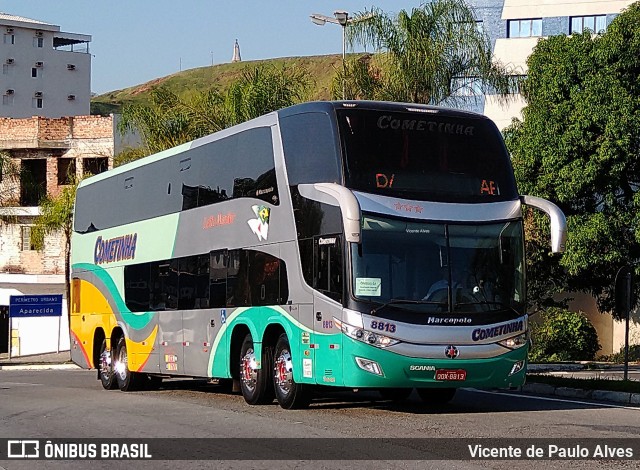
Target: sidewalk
x=60 y=360
x=584 y=370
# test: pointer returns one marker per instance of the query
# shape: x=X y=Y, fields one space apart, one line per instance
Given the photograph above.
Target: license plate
x=451 y=374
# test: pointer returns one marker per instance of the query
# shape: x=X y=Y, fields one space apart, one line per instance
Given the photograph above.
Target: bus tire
x=436 y=396
x=127 y=380
x=395 y=394
x=290 y=395
x=255 y=384
x=105 y=367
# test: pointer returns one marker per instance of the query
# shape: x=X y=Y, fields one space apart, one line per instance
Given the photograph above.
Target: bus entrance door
x=327 y=343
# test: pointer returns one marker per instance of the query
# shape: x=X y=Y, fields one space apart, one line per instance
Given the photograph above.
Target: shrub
x=563 y=335
x=634 y=355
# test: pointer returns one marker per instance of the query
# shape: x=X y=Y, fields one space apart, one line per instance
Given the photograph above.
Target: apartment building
x=515 y=26
x=45 y=72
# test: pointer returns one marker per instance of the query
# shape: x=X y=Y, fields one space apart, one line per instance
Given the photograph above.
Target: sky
x=134 y=41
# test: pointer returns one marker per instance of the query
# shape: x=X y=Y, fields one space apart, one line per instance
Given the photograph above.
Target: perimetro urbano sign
x=35 y=305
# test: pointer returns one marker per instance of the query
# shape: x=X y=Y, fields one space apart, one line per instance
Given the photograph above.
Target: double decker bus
x=345 y=244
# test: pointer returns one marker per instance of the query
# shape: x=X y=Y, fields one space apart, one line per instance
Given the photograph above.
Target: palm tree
x=10 y=176
x=429 y=53
x=56 y=215
x=162 y=124
x=172 y=120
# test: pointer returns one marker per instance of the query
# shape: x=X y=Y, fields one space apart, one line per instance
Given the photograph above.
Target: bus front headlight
x=515 y=342
x=366 y=336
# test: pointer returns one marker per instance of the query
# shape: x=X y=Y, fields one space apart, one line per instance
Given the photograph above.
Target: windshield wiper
x=406 y=301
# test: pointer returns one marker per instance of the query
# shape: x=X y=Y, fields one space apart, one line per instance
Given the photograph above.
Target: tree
x=56 y=215
x=360 y=79
x=10 y=176
x=171 y=120
x=563 y=335
x=426 y=55
x=578 y=145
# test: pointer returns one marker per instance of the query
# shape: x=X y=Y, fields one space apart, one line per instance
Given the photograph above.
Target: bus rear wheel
x=105 y=367
x=127 y=380
x=255 y=384
x=436 y=396
x=290 y=395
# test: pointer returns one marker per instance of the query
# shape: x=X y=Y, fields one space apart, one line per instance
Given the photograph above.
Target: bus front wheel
x=436 y=396
x=255 y=382
x=105 y=367
x=290 y=395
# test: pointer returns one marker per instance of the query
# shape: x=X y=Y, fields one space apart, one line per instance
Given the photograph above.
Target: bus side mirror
x=558 y=220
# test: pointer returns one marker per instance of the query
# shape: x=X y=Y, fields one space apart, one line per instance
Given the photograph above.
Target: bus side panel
x=257 y=320
x=170 y=342
x=90 y=311
x=302 y=343
x=143 y=356
x=200 y=328
x=291 y=319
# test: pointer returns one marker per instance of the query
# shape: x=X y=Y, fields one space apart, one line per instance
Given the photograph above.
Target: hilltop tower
x=236 y=52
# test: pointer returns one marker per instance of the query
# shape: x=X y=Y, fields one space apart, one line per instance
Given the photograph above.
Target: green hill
x=321 y=69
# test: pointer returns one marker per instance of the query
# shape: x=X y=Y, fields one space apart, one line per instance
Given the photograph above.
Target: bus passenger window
x=238 y=288
x=136 y=287
x=265 y=277
x=164 y=285
x=218 y=279
x=328 y=266
x=194 y=282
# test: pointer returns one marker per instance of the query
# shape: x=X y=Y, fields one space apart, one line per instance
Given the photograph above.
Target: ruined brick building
x=46 y=132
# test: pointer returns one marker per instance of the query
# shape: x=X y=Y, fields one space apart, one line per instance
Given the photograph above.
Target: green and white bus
x=346 y=244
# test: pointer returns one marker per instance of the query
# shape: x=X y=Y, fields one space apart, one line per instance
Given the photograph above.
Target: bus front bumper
x=368 y=366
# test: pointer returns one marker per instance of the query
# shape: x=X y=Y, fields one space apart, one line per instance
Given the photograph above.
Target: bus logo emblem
x=260 y=225
x=451 y=352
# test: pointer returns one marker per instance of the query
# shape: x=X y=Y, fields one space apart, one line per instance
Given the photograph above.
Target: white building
x=516 y=26
x=45 y=72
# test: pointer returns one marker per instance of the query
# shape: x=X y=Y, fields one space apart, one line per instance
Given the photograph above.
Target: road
x=58 y=404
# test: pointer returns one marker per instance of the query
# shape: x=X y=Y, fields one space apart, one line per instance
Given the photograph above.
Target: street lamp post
x=341 y=18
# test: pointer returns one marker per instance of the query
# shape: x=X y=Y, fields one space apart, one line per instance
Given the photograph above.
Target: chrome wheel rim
x=120 y=365
x=105 y=364
x=283 y=372
x=248 y=370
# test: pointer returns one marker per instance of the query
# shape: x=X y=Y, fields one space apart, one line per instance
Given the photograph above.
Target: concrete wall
x=610 y=332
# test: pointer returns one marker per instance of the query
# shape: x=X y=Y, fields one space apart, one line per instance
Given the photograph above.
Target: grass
x=321 y=70
x=613 y=385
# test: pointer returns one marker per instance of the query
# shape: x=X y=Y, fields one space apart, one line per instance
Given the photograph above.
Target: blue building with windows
x=514 y=28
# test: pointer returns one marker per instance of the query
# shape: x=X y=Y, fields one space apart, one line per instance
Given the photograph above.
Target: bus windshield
x=434 y=267
x=425 y=156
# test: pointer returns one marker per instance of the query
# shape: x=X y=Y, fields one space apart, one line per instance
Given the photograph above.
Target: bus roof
x=312 y=106
x=327 y=106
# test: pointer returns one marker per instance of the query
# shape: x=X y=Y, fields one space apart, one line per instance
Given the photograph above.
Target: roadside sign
x=35 y=305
